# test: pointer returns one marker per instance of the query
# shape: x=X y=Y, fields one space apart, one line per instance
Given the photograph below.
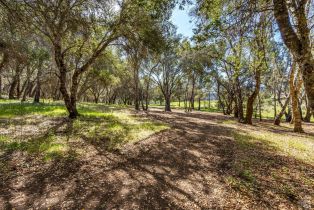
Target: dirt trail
x=182 y=168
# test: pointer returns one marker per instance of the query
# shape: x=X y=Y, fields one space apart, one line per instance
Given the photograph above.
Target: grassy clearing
x=48 y=146
x=300 y=147
x=13 y=108
x=115 y=129
x=267 y=108
x=42 y=129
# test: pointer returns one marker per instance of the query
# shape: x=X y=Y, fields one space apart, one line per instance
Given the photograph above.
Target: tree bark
x=70 y=102
x=136 y=89
x=167 y=103
x=18 y=87
x=298 y=43
x=38 y=85
x=236 y=110
x=260 y=107
x=14 y=83
x=192 y=93
x=220 y=103
x=239 y=100
x=282 y=112
x=275 y=104
x=146 y=93
x=252 y=97
x=294 y=91
x=96 y=98
x=308 y=113
x=26 y=90
x=0 y=85
x=2 y=64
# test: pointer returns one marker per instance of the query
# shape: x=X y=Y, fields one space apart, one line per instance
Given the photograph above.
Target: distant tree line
x=246 y=54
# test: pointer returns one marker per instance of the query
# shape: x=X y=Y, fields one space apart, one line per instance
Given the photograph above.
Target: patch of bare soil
x=190 y=166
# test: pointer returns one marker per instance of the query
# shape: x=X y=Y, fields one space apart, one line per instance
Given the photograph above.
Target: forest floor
x=185 y=161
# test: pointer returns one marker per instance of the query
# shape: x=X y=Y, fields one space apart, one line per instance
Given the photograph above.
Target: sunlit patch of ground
x=273 y=165
x=44 y=128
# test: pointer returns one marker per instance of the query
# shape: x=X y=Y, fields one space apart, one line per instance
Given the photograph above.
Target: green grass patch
x=298 y=146
x=108 y=126
x=49 y=146
x=265 y=161
x=115 y=129
x=16 y=109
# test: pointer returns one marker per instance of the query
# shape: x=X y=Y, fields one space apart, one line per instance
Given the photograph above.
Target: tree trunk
x=199 y=104
x=12 y=89
x=300 y=108
x=294 y=91
x=146 y=95
x=38 y=86
x=297 y=42
x=192 y=93
x=142 y=101
x=4 y=61
x=282 y=112
x=26 y=91
x=308 y=113
x=236 y=110
x=297 y=121
x=239 y=100
x=14 y=83
x=252 y=97
x=18 y=87
x=260 y=107
x=256 y=109
x=0 y=86
x=282 y=105
x=96 y=99
x=136 y=89
x=186 y=103
x=220 y=104
x=275 y=105
x=288 y=115
x=167 y=104
x=70 y=102
x=70 y=98
x=146 y=103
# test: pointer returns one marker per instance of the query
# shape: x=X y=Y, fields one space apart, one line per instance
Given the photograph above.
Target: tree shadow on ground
x=194 y=165
x=267 y=177
x=20 y=154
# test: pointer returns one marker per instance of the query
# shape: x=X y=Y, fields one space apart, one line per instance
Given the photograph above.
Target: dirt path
x=181 y=168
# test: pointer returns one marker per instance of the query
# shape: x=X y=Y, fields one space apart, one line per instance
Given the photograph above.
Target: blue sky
x=182 y=19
